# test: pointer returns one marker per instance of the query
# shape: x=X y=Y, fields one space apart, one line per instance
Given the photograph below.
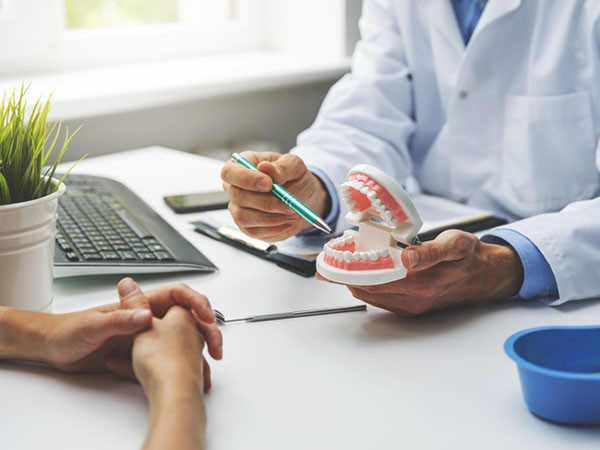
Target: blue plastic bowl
x=559 y=369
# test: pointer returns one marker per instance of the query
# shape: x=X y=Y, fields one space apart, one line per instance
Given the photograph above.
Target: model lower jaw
x=341 y=253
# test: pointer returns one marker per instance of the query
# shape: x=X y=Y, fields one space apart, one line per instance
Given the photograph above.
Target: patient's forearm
x=177 y=417
x=21 y=334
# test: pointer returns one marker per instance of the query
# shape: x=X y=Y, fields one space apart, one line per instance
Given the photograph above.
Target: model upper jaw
x=366 y=199
x=384 y=215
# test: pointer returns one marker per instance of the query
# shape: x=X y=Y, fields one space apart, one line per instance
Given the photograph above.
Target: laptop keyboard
x=94 y=226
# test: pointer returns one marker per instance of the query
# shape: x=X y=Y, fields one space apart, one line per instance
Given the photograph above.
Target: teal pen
x=304 y=211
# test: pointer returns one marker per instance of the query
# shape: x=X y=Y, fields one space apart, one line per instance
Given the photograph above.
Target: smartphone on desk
x=202 y=201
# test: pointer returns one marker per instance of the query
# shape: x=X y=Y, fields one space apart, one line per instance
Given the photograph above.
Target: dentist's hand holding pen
x=258 y=212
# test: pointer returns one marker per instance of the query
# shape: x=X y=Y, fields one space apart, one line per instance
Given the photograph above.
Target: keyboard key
x=122 y=246
x=72 y=256
x=104 y=248
x=128 y=255
x=164 y=256
x=92 y=256
x=147 y=256
x=65 y=247
x=156 y=247
x=111 y=256
x=140 y=230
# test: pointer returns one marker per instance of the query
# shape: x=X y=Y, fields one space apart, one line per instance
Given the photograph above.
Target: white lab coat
x=510 y=123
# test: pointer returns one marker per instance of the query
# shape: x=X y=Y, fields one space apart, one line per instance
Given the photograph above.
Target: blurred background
x=205 y=76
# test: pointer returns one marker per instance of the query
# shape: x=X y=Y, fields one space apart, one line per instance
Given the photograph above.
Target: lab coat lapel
x=447 y=45
x=494 y=10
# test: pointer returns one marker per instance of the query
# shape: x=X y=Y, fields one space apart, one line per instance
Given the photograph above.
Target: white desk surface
x=349 y=381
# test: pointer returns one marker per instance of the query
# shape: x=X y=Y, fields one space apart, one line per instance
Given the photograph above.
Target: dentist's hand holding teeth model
x=482 y=102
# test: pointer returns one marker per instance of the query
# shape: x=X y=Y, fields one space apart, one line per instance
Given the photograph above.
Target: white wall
x=271 y=115
x=275 y=115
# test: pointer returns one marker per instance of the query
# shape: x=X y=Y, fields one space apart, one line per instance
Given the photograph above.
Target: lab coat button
x=462 y=95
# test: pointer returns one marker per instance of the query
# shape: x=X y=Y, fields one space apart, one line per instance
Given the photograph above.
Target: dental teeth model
x=385 y=215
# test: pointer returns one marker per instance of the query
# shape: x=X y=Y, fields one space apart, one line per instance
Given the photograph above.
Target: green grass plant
x=26 y=143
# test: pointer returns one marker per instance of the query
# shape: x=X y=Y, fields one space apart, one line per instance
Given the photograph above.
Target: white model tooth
x=373 y=255
x=363 y=255
x=338 y=255
x=384 y=252
x=394 y=222
x=358 y=185
x=355 y=256
x=381 y=209
x=348 y=256
x=371 y=195
x=364 y=190
x=377 y=203
x=387 y=215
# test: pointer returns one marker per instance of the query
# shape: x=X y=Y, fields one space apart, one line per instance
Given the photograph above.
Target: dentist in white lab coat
x=495 y=104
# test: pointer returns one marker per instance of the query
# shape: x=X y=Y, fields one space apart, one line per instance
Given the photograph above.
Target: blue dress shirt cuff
x=538 y=279
x=334 y=212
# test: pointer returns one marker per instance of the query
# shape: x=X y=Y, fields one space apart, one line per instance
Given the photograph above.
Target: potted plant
x=28 y=201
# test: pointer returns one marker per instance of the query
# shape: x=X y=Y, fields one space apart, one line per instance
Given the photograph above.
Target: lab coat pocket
x=548 y=152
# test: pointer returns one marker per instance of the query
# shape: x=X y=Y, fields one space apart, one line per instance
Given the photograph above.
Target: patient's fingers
x=162 y=298
x=131 y=295
x=108 y=307
x=122 y=322
x=212 y=336
x=206 y=375
x=122 y=367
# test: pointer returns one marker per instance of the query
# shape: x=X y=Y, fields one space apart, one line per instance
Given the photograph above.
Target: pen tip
x=321 y=225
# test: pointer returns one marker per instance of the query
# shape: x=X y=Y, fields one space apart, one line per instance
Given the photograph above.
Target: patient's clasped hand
x=156 y=337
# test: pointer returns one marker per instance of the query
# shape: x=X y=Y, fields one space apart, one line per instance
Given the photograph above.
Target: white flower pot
x=27 y=232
